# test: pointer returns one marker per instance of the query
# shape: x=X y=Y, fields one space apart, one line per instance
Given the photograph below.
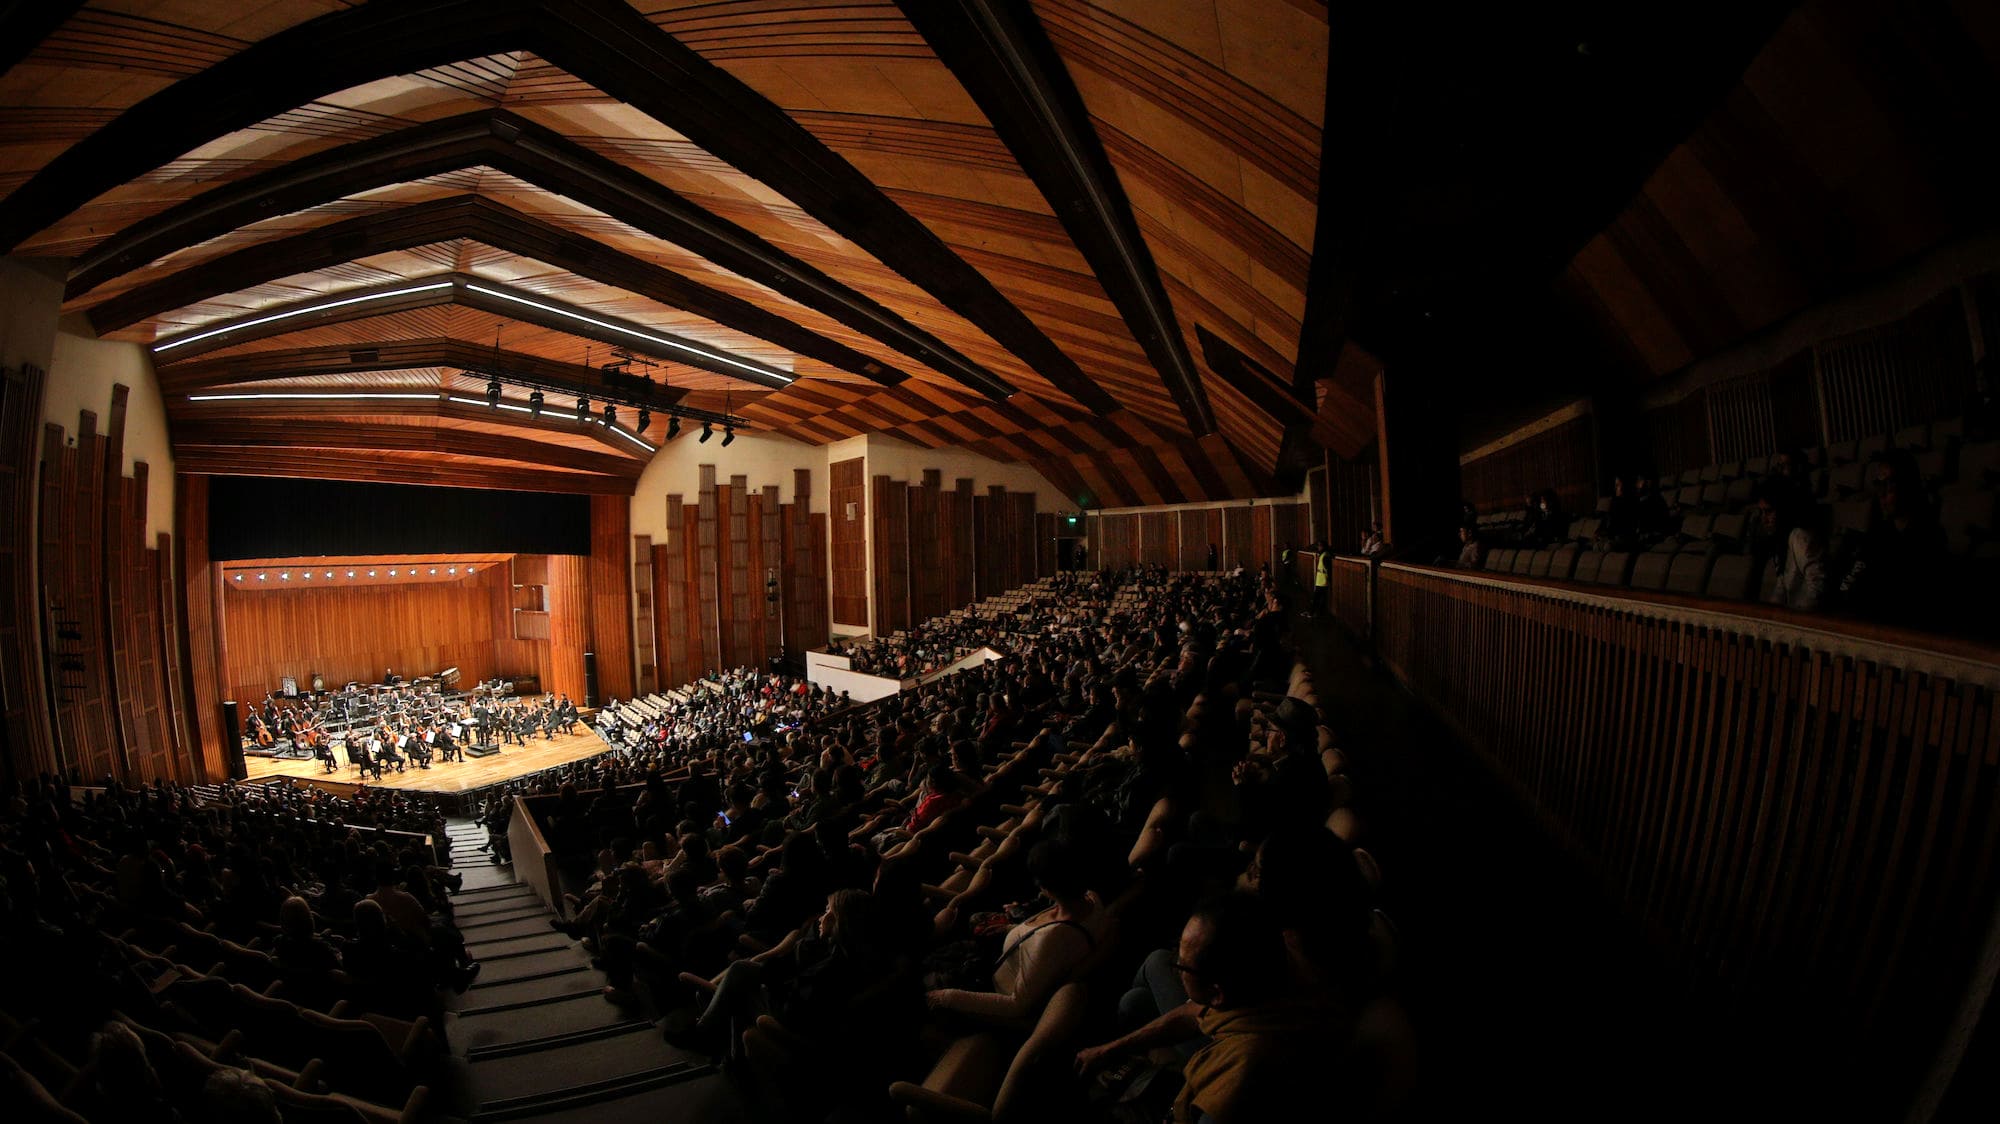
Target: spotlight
x=261 y=577
x=645 y=419
x=309 y=575
x=610 y=414
x=434 y=569
x=493 y=392
x=535 y=403
x=239 y=577
x=673 y=427
x=350 y=573
x=707 y=431
x=329 y=574
x=371 y=573
x=583 y=409
x=728 y=435
x=392 y=573
x=285 y=577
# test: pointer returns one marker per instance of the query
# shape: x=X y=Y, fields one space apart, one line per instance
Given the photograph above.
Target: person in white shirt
x=1041 y=953
x=1799 y=550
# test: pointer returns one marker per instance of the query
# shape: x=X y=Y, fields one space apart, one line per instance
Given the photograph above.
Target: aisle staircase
x=538 y=1039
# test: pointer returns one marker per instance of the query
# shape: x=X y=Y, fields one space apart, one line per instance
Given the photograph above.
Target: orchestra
x=403 y=724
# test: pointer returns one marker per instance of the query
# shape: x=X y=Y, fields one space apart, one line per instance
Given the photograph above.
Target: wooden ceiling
x=1094 y=236
x=1000 y=226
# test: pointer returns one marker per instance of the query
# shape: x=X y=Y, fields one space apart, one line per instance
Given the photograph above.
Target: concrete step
x=588 y=1063
x=548 y=963
x=489 y=996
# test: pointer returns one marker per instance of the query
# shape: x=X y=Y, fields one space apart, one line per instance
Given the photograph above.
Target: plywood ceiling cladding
x=997 y=225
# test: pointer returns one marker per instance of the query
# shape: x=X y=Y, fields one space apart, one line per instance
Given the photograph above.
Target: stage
x=445 y=776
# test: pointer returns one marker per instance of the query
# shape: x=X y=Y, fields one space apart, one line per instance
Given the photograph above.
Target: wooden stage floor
x=448 y=776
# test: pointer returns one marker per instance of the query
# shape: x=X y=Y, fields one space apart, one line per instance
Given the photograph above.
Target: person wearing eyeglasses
x=1269 y=1051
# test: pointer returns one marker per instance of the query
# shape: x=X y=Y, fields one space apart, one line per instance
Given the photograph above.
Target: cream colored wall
x=30 y=301
x=768 y=459
x=762 y=458
x=900 y=460
x=81 y=375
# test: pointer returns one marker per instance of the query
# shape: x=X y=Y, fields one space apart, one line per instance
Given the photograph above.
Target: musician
x=382 y=748
x=447 y=749
x=568 y=716
x=357 y=753
x=323 y=750
x=420 y=747
x=390 y=677
x=255 y=731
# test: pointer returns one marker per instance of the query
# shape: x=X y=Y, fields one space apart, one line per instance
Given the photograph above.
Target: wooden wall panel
x=1916 y=369
x=770 y=561
x=1288 y=528
x=1159 y=539
x=709 y=572
x=1048 y=527
x=1264 y=547
x=1806 y=813
x=1114 y=542
x=955 y=550
x=569 y=625
x=804 y=573
x=889 y=541
x=670 y=577
x=72 y=569
x=848 y=545
x=1238 y=525
x=646 y=647
x=199 y=602
x=30 y=740
x=610 y=576
x=347 y=634
x=1563 y=458
x=926 y=549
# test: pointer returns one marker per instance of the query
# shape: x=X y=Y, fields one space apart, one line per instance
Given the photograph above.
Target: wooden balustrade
x=1804 y=807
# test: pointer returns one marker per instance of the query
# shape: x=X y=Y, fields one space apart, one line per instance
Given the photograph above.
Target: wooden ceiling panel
x=1205 y=112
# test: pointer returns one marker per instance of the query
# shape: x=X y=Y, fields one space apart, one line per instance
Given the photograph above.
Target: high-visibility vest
x=1323 y=568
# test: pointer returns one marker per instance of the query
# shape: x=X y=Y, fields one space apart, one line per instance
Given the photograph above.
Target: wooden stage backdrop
x=346 y=633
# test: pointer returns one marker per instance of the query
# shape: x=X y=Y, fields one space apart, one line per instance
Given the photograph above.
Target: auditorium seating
x=1716 y=520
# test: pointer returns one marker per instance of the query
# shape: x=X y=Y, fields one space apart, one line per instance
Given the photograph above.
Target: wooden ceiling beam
x=397 y=355
x=1002 y=56
x=604 y=42
x=492 y=224
x=379 y=437
x=617 y=49
x=309 y=465
x=540 y=156
x=25 y=23
x=555 y=422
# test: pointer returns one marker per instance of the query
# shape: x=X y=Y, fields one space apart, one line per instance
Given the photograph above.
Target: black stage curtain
x=269 y=517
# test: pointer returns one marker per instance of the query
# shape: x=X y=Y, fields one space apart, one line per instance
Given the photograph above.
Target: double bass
x=258 y=731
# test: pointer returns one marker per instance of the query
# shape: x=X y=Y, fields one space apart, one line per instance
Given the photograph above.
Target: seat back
x=1587 y=565
x=1729 y=529
x=1501 y=561
x=1730 y=577
x=1689 y=572
x=1524 y=561
x=1562 y=563
x=1696 y=526
x=1915 y=438
x=1978 y=463
x=1689 y=497
x=1869 y=446
x=1739 y=493
x=1616 y=570
x=1756 y=466
x=1967 y=518
x=1845 y=480
x=1710 y=473
x=1649 y=570
x=1538 y=563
